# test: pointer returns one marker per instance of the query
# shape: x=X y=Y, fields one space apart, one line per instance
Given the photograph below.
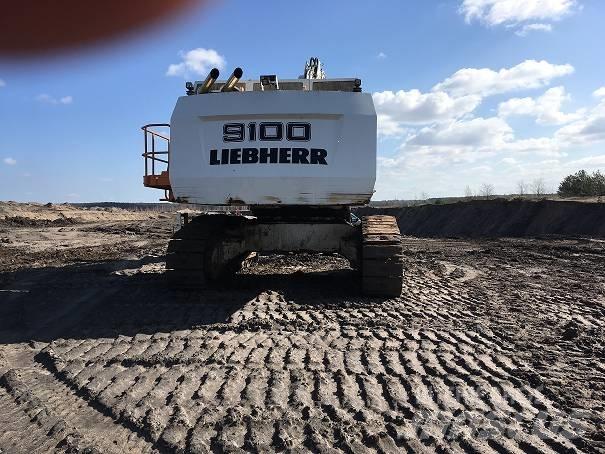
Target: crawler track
x=187 y=255
x=381 y=256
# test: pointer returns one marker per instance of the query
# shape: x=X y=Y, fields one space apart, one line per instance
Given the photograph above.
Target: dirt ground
x=494 y=345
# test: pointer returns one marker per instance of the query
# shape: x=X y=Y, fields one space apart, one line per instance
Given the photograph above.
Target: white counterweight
x=277 y=147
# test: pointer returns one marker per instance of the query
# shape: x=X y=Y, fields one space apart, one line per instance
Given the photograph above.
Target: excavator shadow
x=129 y=297
x=104 y=299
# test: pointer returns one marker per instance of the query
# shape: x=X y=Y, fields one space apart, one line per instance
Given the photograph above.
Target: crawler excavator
x=297 y=153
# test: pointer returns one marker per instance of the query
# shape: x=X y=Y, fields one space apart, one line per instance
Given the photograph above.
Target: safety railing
x=157 y=158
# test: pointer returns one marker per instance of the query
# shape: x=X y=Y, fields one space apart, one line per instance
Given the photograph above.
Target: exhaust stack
x=207 y=84
x=233 y=79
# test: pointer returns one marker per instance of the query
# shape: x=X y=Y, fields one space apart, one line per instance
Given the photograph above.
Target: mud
x=494 y=345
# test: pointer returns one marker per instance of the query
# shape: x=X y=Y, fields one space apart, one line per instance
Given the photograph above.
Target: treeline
x=582 y=183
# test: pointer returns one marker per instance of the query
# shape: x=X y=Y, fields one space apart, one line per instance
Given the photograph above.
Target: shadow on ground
x=93 y=301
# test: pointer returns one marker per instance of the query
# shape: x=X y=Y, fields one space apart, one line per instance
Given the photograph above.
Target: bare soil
x=494 y=345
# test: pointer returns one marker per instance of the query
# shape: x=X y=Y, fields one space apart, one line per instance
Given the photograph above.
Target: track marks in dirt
x=344 y=388
x=15 y=422
x=41 y=414
x=426 y=298
x=444 y=368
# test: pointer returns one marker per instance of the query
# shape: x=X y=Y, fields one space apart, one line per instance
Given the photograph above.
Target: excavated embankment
x=498 y=218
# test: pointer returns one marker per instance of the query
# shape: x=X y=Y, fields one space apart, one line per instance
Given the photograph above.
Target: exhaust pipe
x=233 y=79
x=207 y=84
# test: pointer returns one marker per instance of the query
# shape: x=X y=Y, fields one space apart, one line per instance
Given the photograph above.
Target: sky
x=467 y=92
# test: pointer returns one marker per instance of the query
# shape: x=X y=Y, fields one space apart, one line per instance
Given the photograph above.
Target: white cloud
x=463 y=142
x=411 y=159
x=438 y=129
x=543 y=146
x=196 y=61
x=457 y=139
x=45 y=98
x=10 y=161
x=527 y=28
x=2 y=83
x=588 y=162
x=546 y=108
x=513 y=12
x=443 y=141
x=414 y=107
x=599 y=93
x=517 y=106
x=381 y=55
x=475 y=133
x=583 y=127
x=460 y=94
x=587 y=130
x=387 y=127
x=486 y=82
x=444 y=169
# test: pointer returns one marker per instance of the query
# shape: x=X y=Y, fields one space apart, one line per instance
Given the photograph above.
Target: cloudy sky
x=467 y=92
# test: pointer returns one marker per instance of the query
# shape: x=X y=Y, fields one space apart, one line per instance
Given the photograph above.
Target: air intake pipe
x=233 y=79
x=207 y=84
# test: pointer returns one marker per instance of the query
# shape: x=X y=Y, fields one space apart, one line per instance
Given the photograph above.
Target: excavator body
x=297 y=154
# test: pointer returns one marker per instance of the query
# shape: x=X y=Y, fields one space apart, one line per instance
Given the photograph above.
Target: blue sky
x=467 y=91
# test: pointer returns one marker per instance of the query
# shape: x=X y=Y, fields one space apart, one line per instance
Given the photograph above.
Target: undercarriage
x=211 y=247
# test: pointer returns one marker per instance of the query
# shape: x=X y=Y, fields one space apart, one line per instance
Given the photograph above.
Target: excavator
x=295 y=155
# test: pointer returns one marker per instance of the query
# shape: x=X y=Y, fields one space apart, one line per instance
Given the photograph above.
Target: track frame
x=211 y=247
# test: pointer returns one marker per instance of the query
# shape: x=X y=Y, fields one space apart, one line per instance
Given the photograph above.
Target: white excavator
x=297 y=153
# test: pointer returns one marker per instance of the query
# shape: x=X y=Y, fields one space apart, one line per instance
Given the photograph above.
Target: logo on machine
x=269 y=131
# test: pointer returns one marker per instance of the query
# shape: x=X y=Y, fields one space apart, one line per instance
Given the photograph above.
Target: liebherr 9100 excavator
x=298 y=153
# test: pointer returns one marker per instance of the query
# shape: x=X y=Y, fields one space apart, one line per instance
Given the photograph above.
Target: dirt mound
x=498 y=218
x=14 y=214
x=22 y=221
